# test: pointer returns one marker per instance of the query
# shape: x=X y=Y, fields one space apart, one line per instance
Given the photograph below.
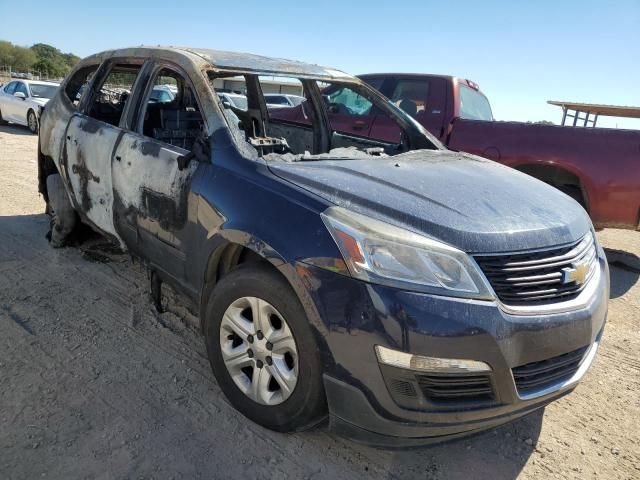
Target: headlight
x=377 y=252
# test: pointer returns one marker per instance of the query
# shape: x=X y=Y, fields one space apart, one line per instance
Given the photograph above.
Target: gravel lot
x=95 y=384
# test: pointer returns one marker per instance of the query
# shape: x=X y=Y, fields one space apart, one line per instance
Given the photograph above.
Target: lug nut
x=250 y=339
x=269 y=346
x=259 y=364
x=259 y=335
x=269 y=361
x=250 y=353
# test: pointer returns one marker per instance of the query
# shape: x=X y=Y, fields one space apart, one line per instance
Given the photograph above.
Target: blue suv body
x=410 y=293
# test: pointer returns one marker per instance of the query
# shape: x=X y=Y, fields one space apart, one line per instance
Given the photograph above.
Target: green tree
x=6 y=52
x=23 y=58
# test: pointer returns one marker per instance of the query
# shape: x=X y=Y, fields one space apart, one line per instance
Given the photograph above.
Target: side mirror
x=20 y=95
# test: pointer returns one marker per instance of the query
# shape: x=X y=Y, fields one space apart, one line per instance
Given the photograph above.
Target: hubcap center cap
x=260 y=349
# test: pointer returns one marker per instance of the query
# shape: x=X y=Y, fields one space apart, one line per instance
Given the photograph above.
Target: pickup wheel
x=262 y=350
x=63 y=216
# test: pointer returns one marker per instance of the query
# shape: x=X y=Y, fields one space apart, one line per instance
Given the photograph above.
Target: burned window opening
x=78 y=84
x=110 y=99
x=323 y=119
x=172 y=113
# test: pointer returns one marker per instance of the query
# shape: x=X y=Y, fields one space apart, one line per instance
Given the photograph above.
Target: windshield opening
x=293 y=119
x=474 y=105
x=43 y=91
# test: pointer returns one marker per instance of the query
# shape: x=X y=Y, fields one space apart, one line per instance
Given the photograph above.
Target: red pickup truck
x=599 y=167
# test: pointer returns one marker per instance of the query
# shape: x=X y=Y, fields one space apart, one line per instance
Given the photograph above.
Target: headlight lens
x=377 y=252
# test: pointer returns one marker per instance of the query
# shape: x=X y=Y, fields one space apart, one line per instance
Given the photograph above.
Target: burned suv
x=407 y=292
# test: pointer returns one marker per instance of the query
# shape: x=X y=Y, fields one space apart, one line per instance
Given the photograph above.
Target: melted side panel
x=152 y=192
x=89 y=145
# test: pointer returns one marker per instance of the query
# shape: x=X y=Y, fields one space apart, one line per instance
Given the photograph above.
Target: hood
x=40 y=101
x=469 y=202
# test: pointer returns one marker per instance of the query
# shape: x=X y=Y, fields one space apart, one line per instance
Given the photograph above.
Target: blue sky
x=521 y=53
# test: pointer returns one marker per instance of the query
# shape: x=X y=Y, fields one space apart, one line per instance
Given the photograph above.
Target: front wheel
x=262 y=350
x=32 y=122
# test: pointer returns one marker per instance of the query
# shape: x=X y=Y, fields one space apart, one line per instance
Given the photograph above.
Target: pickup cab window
x=346 y=101
x=350 y=113
x=411 y=96
x=474 y=105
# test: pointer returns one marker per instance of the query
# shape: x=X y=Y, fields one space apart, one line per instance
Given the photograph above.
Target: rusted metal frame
x=322 y=129
x=282 y=73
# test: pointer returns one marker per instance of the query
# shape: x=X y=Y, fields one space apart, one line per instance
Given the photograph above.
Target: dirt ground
x=95 y=384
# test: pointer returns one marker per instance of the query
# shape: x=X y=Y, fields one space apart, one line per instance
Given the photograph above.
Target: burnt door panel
x=87 y=151
x=151 y=200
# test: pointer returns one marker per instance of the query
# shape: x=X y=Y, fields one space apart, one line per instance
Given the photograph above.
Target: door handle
x=118 y=157
x=359 y=125
x=68 y=137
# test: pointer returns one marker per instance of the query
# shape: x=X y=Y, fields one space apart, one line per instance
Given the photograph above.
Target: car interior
x=178 y=120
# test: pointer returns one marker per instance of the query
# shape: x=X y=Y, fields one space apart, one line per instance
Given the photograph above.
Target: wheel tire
x=32 y=122
x=574 y=192
x=63 y=216
x=2 y=121
x=306 y=404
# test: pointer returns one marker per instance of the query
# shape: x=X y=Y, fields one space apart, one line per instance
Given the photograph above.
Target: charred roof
x=235 y=61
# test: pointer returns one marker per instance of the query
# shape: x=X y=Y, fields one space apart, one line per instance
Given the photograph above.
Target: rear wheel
x=262 y=350
x=2 y=120
x=63 y=216
x=32 y=122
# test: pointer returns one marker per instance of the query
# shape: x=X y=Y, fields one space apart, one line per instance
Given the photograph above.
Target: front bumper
x=358 y=316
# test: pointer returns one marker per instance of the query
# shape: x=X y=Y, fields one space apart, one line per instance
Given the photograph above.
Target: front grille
x=540 y=277
x=539 y=375
x=455 y=387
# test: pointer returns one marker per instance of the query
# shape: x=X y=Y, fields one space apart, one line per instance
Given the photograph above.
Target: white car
x=234 y=99
x=283 y=100
x=162 y=94
x=21 y=101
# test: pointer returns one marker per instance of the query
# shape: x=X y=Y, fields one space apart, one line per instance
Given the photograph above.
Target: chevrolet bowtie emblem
x=576 y=273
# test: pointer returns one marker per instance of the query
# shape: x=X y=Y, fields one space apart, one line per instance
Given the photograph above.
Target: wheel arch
x=559 y=176
x=236 y=247
x=46 y=167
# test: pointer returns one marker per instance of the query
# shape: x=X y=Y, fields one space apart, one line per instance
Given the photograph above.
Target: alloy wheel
x=259 y=350
x=32 y=122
